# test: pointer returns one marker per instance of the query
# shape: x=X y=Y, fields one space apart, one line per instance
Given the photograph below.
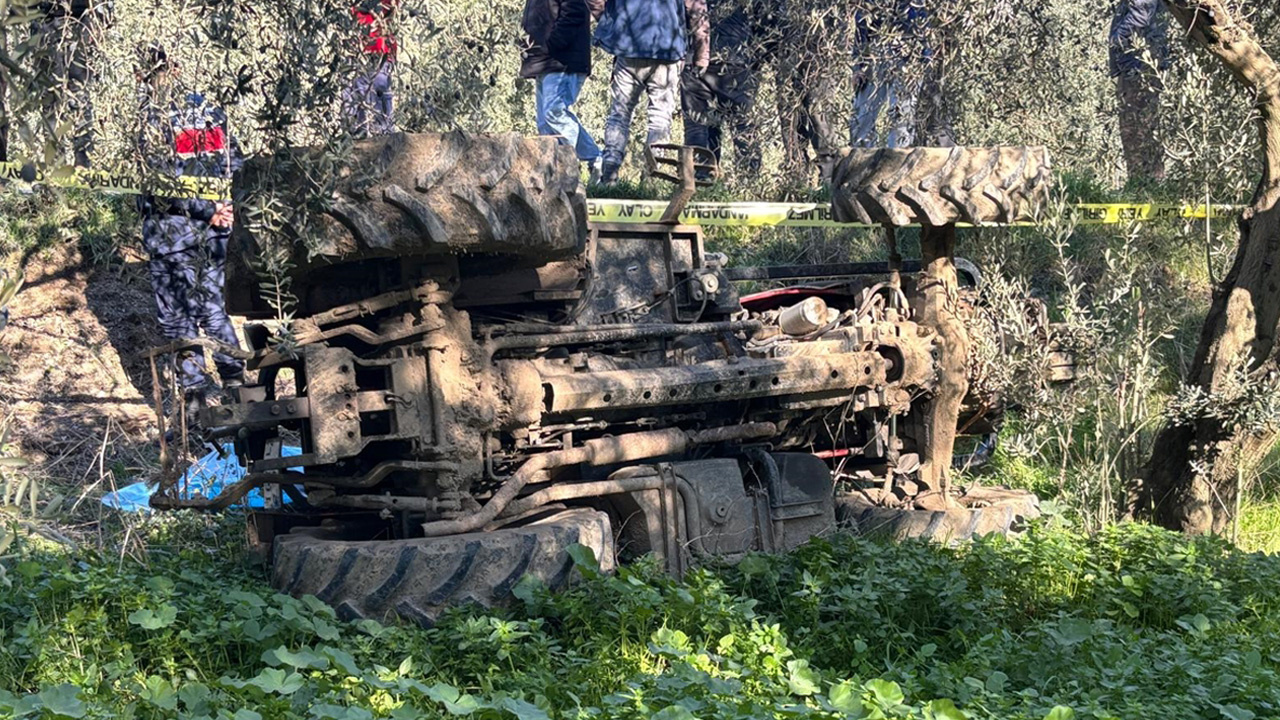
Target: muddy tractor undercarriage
x=477 y=378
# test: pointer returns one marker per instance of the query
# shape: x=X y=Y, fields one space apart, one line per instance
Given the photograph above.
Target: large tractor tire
x=940 y=186
x=417 y=579
x=408 y=195
x=989 y=511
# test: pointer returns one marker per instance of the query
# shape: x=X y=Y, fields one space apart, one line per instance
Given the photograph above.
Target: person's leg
x=625 y=88
x=559 y=91
x=79 y=77
x=172 y=278
x=871 y=94
x=662 y=83
x=357 y=101
x=209 y=306
x=586 y=147
x=1138 y=101
x=542 y=92
x=384 y=100
x=902 y=114
x=695 y=104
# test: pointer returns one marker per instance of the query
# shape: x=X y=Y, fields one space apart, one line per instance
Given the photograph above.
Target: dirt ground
x=79 y=391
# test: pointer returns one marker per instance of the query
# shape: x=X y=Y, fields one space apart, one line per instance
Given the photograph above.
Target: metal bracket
x=687 y=163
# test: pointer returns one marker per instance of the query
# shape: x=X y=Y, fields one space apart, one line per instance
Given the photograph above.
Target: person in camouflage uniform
x=66 y=36
x=187 y=238
x=1137 y=88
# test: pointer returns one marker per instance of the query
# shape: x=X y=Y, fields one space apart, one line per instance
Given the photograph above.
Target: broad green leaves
x=154 y=619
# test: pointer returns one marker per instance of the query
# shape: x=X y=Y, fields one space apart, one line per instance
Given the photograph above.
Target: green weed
x=1132 y=623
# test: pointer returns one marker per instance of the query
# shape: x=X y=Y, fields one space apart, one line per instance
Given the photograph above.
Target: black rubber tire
x=417 y=579
x=940 y=186
x=1007 y=516
x=418 y=194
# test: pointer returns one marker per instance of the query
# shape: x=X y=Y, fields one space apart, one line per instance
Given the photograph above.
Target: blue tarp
x=205 y=478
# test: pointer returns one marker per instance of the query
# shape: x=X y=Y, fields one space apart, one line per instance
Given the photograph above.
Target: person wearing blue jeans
x=557 y=57
x=556 y=92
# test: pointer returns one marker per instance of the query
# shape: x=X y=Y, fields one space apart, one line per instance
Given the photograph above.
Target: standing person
x=649 y=40
x=370 y=99
x=558 y=59
x=725 y=92
x=1137 y=88
x=884 y=73
x=66 y=36
x=799 y=44
x=187 y=237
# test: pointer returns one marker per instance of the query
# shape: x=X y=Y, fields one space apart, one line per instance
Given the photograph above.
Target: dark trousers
x=189 y=289
x=719 y=97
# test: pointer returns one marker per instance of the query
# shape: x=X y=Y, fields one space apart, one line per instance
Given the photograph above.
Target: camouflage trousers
x=190 y=298
x=1139 y=101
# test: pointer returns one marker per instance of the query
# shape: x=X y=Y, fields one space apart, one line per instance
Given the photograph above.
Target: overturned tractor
x=478 y=378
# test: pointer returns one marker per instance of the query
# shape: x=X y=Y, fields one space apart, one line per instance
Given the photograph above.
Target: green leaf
x=159 y=692
x=844 y=697
x=523 y=710
x=195 y=698
x=1073 y=630
x=304 y=658
x=274 y=680
x=802 y=679
x=325 y=711
x=753 y=566
x=674 y=712
x=996 y=682
x=528 y=589
x=247 y=714
x=62 y=701
x=885 y=692
x=943 y=709
x=160 y=584
x=453 y=699
x=1235 y=712
x=1061 y=712
x=342 y=660
x=148 y=619
x=585 y=559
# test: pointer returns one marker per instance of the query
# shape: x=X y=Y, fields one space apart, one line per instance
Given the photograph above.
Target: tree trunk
x=938 y=291
x=1192 y=476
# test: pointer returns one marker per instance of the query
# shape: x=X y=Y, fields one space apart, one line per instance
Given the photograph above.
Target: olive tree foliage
x=1001 y=71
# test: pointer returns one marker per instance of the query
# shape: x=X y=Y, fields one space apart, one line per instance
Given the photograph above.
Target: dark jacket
x=190 y=139
x=559 y=36
x=664 y=30
x=72 y=8
x=1136 y=19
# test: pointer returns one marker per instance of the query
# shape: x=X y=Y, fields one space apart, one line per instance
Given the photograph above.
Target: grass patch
x=1132 y=623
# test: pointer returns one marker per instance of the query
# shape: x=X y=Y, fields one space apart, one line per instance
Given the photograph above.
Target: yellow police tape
x=818 y=215
x=83 y=178
x=722 y=214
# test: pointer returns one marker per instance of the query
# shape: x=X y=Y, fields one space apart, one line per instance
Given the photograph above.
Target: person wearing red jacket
x=369 y=100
